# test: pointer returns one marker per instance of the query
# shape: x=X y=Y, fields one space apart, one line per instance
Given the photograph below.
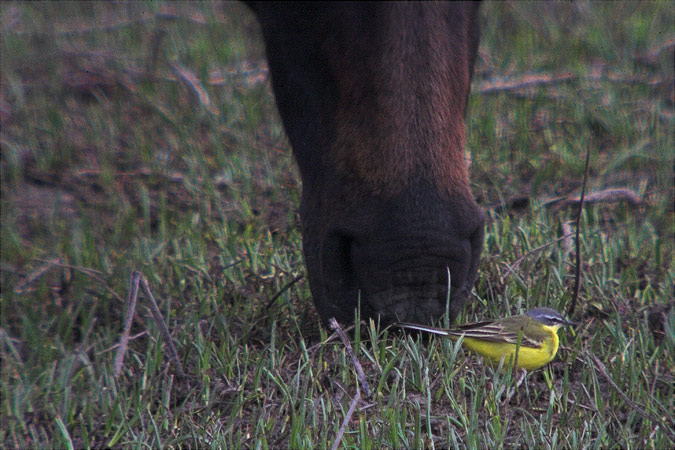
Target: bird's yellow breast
x=529 y=358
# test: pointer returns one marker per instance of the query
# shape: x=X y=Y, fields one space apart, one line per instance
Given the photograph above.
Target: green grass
x=106 y=170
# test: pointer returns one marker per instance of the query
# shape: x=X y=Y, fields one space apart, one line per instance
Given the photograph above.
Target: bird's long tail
x=432 y=330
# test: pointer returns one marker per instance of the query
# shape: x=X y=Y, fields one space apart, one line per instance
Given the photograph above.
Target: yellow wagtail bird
x=534 y=334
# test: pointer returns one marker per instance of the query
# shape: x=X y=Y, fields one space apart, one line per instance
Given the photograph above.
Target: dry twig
x=611 y=195
x=286 y=287
x=651 y=56
x=32 y=277
x=189 y=78
x=157 y=315
x=357 y=365
x=348 y=416
x=362 y=379
x=524 y=81
x=577 y=270
x=131 y=310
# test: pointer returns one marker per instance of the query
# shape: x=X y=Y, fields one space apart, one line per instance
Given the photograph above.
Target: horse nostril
x=339 y=255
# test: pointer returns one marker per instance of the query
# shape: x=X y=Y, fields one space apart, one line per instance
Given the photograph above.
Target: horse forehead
x=399 y=113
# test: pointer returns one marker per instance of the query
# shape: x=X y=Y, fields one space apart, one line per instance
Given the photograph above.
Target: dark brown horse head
x=373 y=98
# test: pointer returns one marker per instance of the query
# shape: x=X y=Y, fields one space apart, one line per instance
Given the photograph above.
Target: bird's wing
x=495 y=331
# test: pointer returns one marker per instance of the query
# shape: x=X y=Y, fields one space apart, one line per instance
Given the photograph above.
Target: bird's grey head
x=548 y=316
